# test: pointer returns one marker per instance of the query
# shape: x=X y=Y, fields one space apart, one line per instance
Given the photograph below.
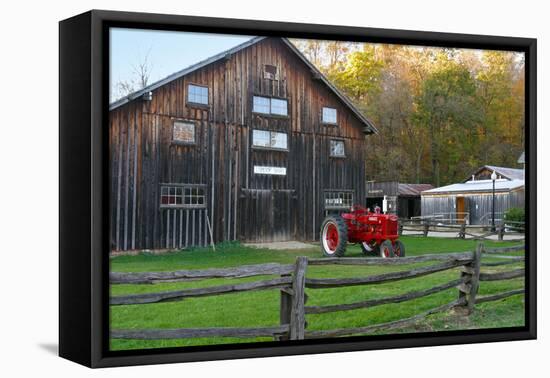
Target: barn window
x=262 y=105
x=183 y=132
x=197 y=94
x=268 y=105
x=337 y=148
x=330 y=116
x=279 y=107
x=270 y=72
x=338 y=200
x=176 y=195
x=269 y=139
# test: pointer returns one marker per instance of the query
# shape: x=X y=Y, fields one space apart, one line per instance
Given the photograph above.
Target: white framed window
x=337 y=148
x=269 y=139
x=338 y=199
x=183 y=132
x=261 y=105
x=330 y=115
x=269 y=105
x=197 y=94
x=183 y=196
x=279 y=107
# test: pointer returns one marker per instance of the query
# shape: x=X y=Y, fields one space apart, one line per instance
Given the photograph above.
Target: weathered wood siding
x=240 y=204
x=379 y=189
x=478 y=204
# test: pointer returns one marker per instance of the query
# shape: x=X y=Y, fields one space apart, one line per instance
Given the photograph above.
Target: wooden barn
x=253 y=144
x=402 y=199
x=472 y=200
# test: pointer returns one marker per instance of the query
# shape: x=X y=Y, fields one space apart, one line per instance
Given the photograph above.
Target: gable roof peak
x=369 y=127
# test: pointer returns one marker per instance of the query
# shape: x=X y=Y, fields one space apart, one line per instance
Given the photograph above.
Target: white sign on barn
x=261 y=170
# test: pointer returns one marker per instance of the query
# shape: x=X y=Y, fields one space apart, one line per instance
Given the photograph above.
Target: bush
x=515 y=214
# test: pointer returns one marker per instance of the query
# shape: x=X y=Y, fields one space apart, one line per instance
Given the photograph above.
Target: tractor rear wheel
x=386 y=249
x=334 y=237
x=370 y=249
x=398 y=248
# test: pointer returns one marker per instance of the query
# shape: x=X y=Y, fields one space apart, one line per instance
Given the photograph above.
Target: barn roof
x=501 y=185
x=369 y=126
x=412 y=189
x=507 y=173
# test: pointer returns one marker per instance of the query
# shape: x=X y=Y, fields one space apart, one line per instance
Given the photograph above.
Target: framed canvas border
x=84 y=180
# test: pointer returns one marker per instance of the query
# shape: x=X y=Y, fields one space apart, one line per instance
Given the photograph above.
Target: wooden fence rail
x=183 y=333
x=292 y=282
x=425 y=226
x=188 y=275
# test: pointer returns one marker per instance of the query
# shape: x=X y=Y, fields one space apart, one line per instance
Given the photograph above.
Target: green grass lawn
x=261 y=308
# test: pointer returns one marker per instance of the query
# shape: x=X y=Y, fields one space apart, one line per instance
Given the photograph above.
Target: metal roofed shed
x=471 y=201
x=484 y=173
x=403 y=199
x=478 y=186
x=405 y=190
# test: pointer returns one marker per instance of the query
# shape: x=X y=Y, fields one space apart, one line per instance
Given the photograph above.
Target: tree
x=141 y=74
x=441 y=113
x=501 y=92
x=448 y=109
x=359 y=75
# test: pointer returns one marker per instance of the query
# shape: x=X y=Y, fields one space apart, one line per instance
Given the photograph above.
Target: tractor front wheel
x=386 y=249
x=398 y=248
x=370 y=249
x=334 y=236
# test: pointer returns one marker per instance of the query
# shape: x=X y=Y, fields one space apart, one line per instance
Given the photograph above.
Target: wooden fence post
x=285 y=308
x=426 y=228
x=500 y=231
x=469 y=290
x=297 y=313
x=462 y=233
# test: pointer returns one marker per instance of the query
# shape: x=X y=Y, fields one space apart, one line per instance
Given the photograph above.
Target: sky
x=168 y=52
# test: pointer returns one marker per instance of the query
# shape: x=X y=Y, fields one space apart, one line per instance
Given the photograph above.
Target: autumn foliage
x=441 y=113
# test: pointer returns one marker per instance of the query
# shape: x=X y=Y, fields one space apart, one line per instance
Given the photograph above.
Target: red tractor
x=376 y=233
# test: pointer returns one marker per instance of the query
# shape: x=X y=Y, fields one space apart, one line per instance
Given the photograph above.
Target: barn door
x=283 y=210
x=267 y=215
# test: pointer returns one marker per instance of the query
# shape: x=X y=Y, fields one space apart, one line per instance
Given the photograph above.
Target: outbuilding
x=472 y=200
x=401 y=198
x=253 y=144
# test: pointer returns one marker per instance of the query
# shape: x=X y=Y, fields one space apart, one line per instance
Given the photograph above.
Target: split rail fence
x=292 y=283
x=479 y=232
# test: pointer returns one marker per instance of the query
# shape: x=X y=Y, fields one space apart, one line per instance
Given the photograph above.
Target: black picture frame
x=84 y=205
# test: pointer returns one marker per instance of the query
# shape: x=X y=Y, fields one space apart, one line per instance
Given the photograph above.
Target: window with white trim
x=183 y=132
x=279 y=107
x=261 y=105
x=337 y=148
x=330 y=115
x=197 y=94
x=338 y=200
x=269 y=139
x=182 y=196
x=269 y=105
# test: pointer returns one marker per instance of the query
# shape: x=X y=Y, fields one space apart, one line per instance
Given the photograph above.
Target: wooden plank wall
x=478 y=204
x=240 y=204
